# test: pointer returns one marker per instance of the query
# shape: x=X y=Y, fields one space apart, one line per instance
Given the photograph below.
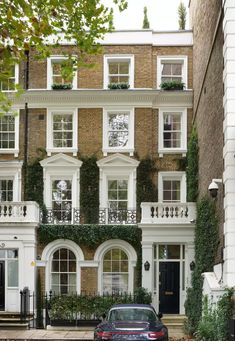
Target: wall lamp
x=213 y=187
x=192 y=265
x=146 y=266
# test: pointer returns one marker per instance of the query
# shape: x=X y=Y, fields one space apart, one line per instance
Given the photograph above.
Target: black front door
x=169 y=278
x=2 y=285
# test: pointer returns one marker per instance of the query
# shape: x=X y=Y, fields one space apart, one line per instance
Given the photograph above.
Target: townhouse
x=122 y=149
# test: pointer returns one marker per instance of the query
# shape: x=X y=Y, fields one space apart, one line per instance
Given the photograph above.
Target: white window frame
x=132 y=259
x=180 y=59
x=130 y=146
x=119 y=58
x=57 y=58
x=183 y=148
x=61 y=167
x=16 y=79
x=47 y=255
x=15 y=150
x=178 y=176
x=120 y=167
x=50 y=148
x=11 y=170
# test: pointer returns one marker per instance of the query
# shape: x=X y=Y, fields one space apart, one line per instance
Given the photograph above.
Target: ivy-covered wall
x=89 y=190
x=92 y=236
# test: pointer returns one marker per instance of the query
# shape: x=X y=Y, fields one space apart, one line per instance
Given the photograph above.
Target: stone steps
x=13 y=321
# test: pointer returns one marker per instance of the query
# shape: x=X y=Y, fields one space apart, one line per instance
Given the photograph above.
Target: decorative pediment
x=117 y=160
x=61 y=160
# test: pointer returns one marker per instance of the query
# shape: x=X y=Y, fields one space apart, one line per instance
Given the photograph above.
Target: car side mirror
x=159 y=315
x=103 y=316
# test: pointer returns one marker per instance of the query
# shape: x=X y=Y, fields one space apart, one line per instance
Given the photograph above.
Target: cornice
x=95 y=98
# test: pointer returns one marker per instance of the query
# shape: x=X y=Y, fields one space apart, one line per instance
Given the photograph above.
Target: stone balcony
x=19 y=212
x=168 y=213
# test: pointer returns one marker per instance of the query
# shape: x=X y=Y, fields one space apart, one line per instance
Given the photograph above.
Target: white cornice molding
x=95 y=98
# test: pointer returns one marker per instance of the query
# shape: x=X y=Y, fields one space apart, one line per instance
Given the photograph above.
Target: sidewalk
x=43 y=334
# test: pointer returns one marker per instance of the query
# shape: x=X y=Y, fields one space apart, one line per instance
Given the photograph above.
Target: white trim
x=181 y=176
x=131 y=127
x=119 y=57
x=15 y=151
x=132 y=259
x=183 y=148
x=49 y=71
x=50 y=148
x=61 y=166
x=118 y=166
x=178 y=58
x=47 y=257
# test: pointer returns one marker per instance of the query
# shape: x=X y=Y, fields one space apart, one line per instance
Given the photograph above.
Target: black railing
x=27 y=307
x=75 y=216
x=85 y=309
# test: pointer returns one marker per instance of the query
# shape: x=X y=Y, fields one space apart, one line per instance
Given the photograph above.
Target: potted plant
x=59 y=86
x=172 y=85
x=118 y=86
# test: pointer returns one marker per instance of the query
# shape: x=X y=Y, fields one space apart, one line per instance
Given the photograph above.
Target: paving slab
x=37 y=334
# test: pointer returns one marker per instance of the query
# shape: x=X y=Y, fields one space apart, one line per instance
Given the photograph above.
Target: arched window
x=63 y=271
x=115 y=271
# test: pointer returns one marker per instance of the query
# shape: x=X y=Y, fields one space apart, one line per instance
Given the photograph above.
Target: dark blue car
x=132 y=322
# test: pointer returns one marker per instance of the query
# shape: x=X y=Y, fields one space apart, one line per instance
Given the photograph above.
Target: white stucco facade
x=229 y=142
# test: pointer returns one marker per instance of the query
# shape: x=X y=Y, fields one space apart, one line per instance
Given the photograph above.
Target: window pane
x=55 y=279
x=7 y=131
x=113 y=68
x=124 y=68
x=13 y=273
x=176 y=69
x=55 y=266
x=169 y=251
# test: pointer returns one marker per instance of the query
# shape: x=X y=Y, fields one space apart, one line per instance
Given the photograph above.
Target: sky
x=162 y=14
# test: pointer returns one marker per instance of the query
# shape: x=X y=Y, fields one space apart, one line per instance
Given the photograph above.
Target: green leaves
x=32 y=23
x=206 y=244
x=192 y=167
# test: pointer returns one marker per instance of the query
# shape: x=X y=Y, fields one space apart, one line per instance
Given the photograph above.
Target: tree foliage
x=182 y=16
x=145 y=21
x=192 y=167
x=42 y=24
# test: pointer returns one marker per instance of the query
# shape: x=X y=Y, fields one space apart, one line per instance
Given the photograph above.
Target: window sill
x=10 y=151
x=62 y=150
x=118 y=150
x=161 y=152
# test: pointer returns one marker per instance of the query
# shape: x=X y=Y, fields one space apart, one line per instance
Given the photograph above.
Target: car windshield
x=132 y=314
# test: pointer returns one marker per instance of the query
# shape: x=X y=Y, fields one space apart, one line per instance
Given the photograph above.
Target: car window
x=132 y=314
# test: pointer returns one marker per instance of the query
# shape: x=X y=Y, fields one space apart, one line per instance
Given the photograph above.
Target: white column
x=229 y=142
x=147 y=255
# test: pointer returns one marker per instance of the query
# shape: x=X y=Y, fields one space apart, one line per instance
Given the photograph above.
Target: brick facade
x=90 y=120
x=208 y=98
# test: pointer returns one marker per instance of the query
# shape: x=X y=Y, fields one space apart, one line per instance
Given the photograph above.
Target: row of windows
x=118 y=131
x=117 y=69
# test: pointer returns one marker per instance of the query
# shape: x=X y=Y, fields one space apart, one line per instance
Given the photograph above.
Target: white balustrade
x=17 y=212
x=168 y=213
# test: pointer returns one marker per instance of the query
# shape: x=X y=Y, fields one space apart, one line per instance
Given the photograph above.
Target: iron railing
x=76 y=217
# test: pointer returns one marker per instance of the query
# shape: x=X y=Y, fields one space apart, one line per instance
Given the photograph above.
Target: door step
x=13 y=320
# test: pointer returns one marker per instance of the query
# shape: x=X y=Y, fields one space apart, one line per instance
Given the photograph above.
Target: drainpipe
x=26 y=110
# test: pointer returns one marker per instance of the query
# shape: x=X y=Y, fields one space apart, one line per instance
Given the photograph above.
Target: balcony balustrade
x=168 y=213
x=151 y=213
x=75 y=216
x=19 y=212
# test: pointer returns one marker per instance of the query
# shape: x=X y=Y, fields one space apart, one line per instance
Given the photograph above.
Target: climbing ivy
x=192 y=167
x=89 y=190
x=146 y=190
x=34 y=182
x=93 y=235
x=206 y=243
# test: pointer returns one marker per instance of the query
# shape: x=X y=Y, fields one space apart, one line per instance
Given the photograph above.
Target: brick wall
x=208 y=104
x=92 y=77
